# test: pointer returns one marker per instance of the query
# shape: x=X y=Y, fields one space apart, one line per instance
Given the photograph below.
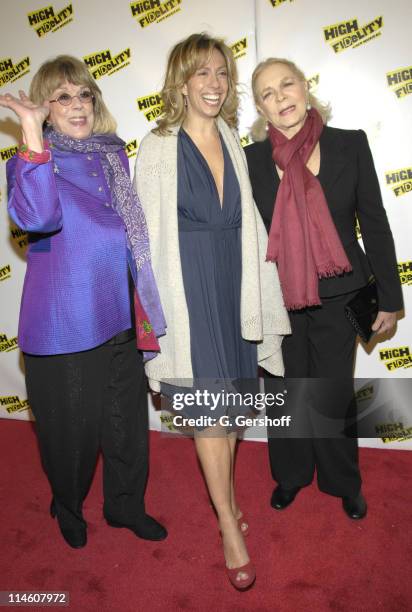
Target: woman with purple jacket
x=89 y=286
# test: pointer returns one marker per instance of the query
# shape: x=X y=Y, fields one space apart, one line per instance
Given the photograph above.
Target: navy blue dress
x=210 y=252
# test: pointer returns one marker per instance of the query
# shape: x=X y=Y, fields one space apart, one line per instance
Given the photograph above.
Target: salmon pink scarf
x=303 y=239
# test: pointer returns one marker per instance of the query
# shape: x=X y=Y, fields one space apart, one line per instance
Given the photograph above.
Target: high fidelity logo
x=364 y=394
x=8 y=153
x=400 y=81
x=45 y=20
x=239 y=48
x=7 y=344
x=358 y=230
x=395 y=358
x=12 y=403
x=10 y=71
x=19 y=237
x=405 y=272
x=147 y=12
x=245 y=140
x=167 y=422
x=276 y=3
x=151 y=106
x=393 y=432
x=348 y=34
x=313 y=82
x=400 y=181
x=102 y=63
x=131 y=147
x=5 y=272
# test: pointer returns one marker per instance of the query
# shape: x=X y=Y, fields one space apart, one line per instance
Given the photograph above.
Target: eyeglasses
x=65 y=99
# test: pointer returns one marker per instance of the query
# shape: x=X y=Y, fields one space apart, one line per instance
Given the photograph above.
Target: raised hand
x=25 y=109
x=32 y=117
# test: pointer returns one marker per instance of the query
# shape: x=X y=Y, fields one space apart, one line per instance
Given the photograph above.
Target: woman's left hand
x=384 y=322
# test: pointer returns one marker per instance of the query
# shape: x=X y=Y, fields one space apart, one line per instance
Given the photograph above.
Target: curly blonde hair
x=55 y=72
x=258 y=130
x=184 y=59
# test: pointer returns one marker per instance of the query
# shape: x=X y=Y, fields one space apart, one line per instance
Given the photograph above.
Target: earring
x=308 y=105
x=185 y=101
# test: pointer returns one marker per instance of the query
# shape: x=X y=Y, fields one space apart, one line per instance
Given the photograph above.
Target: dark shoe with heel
x=76 y=538
x=146 y=528
x=282 y=498
x=355 y=507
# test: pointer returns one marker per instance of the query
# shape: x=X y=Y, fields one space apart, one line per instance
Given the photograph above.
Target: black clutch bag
x=363 y=309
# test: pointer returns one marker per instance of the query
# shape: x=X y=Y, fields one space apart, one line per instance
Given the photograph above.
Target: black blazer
x=348 y=178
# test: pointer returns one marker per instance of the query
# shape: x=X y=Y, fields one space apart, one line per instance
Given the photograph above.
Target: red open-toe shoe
x=242 y=583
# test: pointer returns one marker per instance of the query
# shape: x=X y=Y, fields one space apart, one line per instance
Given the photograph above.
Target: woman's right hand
x=32 y=117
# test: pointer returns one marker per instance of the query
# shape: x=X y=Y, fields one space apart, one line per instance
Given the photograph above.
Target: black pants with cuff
x=322 y=345
x=83 y=403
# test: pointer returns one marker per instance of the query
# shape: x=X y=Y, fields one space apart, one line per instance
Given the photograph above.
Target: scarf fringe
x=333 y=270
x=301 y=305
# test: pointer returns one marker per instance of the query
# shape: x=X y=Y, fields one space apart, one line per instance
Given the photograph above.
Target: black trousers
x=83 y=403
x=322 y=345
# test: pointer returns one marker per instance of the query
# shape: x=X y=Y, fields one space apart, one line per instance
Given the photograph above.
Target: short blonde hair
x=53 y=73
x=184 y=59
x=259 y=128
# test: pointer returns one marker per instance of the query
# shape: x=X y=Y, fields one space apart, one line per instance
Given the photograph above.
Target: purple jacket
x=75 y=293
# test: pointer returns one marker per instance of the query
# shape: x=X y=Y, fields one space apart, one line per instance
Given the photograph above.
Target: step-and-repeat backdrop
x=356 y=55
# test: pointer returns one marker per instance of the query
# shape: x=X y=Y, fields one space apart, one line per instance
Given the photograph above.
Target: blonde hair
x=53 y=73
x=259 y=128
x=184 y=59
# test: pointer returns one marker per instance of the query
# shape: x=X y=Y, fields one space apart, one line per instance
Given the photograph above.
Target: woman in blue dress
x=208 y=244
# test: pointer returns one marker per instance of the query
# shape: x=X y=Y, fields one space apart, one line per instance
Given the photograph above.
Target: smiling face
x=281 y=97
x=207 y=89
x=75 y=120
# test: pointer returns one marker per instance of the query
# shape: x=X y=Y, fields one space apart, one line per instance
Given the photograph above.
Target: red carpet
x=309 y=557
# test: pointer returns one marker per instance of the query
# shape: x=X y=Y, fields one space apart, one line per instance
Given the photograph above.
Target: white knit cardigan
x=263 y=315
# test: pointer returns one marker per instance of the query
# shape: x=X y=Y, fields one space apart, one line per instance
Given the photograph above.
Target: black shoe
x=282 y=498
x=76 y=538
x=146 y=528
x=355 y=507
